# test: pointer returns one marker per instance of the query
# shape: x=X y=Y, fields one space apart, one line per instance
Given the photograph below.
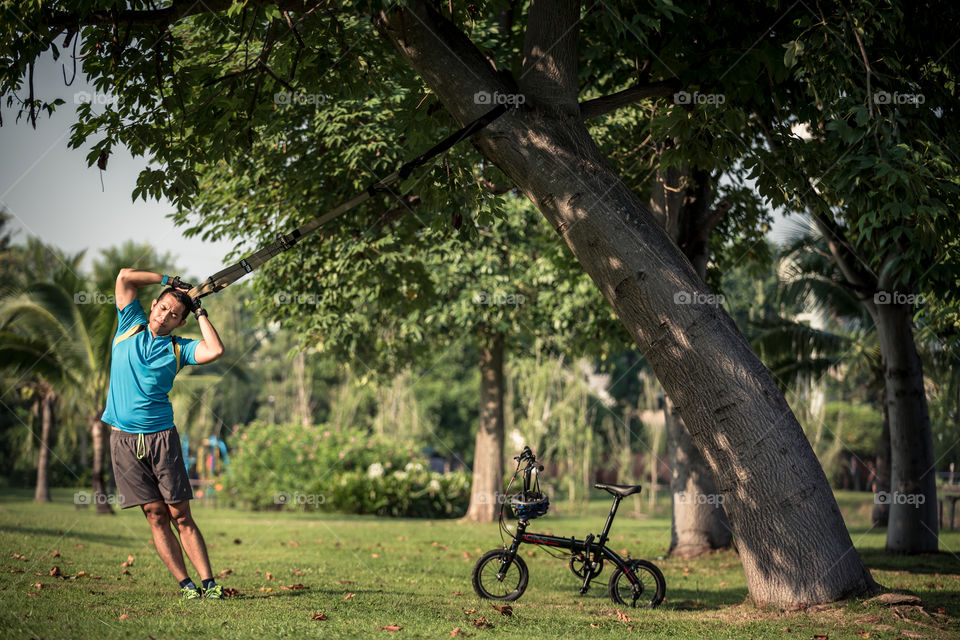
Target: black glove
x=196 y=308
x=177 y=283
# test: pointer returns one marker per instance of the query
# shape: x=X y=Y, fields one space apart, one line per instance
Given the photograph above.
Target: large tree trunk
x=774 y=487
x=912 y=526
x=698 y=524
x=47 y=417
x=100 y=434
x=488 y=453
x=881 y=482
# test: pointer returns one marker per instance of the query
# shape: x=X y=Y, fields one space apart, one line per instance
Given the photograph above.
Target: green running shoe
x=213 y=593
x=188 y=593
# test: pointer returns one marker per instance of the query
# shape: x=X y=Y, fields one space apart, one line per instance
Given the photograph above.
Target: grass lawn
x=365 y=573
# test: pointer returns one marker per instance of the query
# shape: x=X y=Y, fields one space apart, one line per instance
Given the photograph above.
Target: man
x=144 y=443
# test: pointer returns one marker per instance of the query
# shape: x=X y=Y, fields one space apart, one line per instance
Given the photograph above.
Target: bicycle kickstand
x=587 y=565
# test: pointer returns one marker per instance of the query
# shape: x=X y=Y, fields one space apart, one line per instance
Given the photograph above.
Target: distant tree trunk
x=881 y=507
x=699 y=523
x=303 y=389
x=488 y=453
x=47 y=418
x=774 y=486
x=84 y=446
x=100 y=435
x=912 y=525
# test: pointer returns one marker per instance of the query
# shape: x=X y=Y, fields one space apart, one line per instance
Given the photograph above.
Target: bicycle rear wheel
x=498 y=577
x=647 y=592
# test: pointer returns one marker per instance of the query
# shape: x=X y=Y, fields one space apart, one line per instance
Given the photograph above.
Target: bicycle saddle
x=622 y=490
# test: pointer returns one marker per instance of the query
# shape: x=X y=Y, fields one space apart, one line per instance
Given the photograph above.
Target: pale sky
x=53 y=195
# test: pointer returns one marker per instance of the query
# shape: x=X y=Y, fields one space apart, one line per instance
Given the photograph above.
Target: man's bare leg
x=168 y=547
x=191 y=538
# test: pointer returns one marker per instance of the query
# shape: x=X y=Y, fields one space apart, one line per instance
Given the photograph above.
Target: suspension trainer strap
x=231 y=274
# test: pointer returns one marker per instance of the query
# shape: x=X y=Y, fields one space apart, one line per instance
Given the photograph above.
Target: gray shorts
x=149 y=470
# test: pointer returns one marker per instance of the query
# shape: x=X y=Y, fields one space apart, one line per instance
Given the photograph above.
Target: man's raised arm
x=129 y=280
x=211 y=347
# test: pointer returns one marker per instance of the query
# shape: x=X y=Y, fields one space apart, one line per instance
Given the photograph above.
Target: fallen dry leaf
x=230 y=592
x=318 y=616
x=868 y=619
x=56 y=573
x=345 y=582
x=129 y=562
x=391 y=628
x=19 y=556
x=821 y=636
x=269 y=576
x=124 y=617
x=294 y=543
x=863 y=634
x=297 y=572
x=55 y=554
x=294 y=586
x=16 y=570
x=482 y=623
x=895 y=598
x=505 y=610
x=225 y=573
x=457 y=593
x=622 y=617
x=458 y=632
x=237 y=541
x=350 y=595
x=37 y=585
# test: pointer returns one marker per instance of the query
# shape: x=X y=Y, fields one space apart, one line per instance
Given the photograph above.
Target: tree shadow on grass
x=78 y=534
x=685 y=599
x=926 y=563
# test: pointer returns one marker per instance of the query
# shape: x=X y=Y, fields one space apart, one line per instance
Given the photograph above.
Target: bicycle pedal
x=583 y=590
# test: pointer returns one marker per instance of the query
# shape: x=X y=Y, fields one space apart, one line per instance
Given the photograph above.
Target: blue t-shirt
x=141 y=375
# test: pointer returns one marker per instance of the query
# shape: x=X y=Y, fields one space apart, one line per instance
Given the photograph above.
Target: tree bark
x=912 y=526
x=698 y=523
x=303 y=389
x=881 y=508
x=774 y=486
x=47 y=418
x=488 y=452
x=100 y=435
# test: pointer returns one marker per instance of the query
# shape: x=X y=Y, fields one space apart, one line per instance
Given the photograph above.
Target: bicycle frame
x=593 y=549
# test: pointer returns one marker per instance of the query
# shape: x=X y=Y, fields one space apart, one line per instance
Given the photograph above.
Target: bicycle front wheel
x=497 y=576
x=647 y=592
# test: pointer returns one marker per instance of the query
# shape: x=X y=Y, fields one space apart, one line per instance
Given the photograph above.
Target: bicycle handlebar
x=532 y=465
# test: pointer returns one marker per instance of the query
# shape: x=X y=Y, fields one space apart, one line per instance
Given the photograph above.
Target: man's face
x=166 y=314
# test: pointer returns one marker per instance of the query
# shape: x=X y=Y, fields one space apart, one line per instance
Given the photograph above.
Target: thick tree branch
x=549 y=71
x=446 y=60
x=860 y=278
x=614 y=101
